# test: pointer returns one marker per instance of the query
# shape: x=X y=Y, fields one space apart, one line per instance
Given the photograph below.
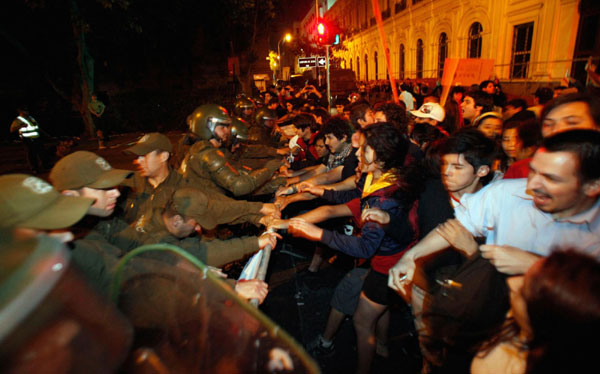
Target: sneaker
x=316 y=349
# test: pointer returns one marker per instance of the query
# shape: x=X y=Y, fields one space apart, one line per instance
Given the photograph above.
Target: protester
x=427 y=125
x=466 y=160
x=382 y=151
x=490 y=124
x=519 y=141
x=541 y=96
x=557 y=214
x=570 y=111
x=474 y=104
x=555 y=313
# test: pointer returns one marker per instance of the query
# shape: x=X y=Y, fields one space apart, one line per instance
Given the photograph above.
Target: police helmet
x=239 y=130
x=241 y=104
x=203 y=121
x=263 y=115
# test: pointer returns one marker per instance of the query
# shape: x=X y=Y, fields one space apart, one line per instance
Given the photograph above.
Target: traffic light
x=326 y=34
x=322 y=36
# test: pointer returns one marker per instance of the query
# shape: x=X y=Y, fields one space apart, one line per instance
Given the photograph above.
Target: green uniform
x=211 y=252
x=206 y=167
x=260 y=134
x=143 y=198
x=98 y=253
x=252 y=155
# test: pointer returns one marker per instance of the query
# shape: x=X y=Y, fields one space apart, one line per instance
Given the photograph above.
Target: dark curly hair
x=395 y=113
x=339 y=127
x=388 y=143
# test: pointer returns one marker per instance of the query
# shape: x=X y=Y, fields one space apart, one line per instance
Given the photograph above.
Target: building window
x=474 y=40
x=376 y=67
x=400 y=6
x=442 y=53
x=419 y=58
x=350 y=63
x=366 y=67
x=521 y=50
x=401 y=66
x=357 y=67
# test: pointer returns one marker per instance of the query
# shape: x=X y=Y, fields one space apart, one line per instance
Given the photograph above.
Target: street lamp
x=286 y=38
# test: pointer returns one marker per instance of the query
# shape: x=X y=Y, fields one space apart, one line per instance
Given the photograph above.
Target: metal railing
x=535 y=70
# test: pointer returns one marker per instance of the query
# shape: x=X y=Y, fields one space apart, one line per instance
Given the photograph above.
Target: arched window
x=419 y=58
x=442 y=53
x=401 y=66
x=366 y=67
x=376 y=67
x=474 y=40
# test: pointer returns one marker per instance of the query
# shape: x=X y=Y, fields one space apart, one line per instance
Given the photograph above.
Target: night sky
x=143 y=51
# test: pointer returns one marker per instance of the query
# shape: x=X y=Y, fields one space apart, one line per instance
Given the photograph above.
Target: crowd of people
x=481 y=214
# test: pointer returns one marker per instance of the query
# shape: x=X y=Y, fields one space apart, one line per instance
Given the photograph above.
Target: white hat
x=430 y=110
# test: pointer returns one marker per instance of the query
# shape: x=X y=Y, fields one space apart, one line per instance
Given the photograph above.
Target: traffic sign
x=307 y=62
x=321 y=60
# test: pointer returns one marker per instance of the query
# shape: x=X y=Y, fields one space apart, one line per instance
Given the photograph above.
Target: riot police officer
x=207 y=166
x=244 y=108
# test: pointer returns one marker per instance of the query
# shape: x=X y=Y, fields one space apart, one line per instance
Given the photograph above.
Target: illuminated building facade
x=531 y=41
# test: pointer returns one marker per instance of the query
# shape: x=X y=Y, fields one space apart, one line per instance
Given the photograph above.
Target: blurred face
x=553 y=182
x=222 y=133
x=151 y=164
x=429 y=121
x=334 y=144
x=368 y=119
x=304 y=133
x=289 y=107
x=468 y=108
x=379 y=117
x=490 y=89
x=289 y=131
x=509 y=111
x=366 y=156
x=457 y=96
x=511 y=144
x=458 y=175
x=491 y=127
x=568 y=116
x=267 y=97
x=105 y=200
x=247 y=112
x=339 y=108
x=321 y=148
x=181 y=228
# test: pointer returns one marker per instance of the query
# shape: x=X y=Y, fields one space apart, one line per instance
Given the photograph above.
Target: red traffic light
x=321 y=29
x=325 y=33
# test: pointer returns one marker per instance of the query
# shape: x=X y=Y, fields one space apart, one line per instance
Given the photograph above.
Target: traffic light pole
x=328 y=79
